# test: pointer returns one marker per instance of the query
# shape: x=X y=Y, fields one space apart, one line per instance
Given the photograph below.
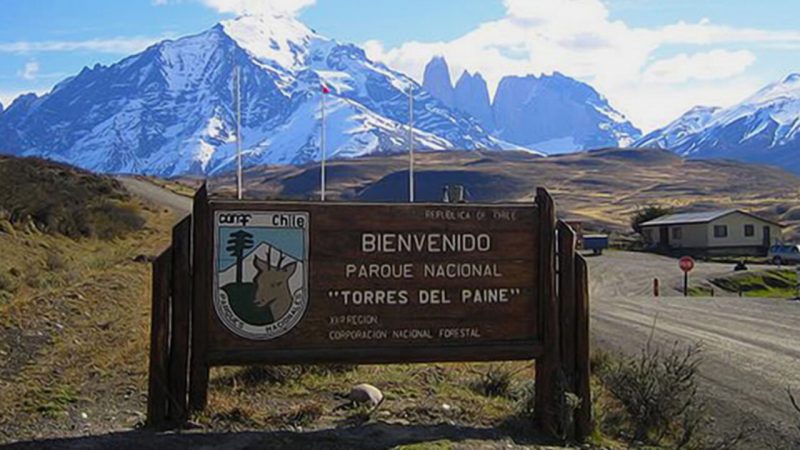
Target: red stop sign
x=686 y=263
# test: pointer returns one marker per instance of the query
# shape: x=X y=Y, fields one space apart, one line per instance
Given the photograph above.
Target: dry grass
x=604 y=188
x=74 y=335
x=256 y=397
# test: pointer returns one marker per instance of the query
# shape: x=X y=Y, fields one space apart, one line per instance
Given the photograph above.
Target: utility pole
x=411 y=143
x=238 y=133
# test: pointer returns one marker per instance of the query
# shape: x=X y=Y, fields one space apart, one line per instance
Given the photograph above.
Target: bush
x=658 y=390
x=495 y=382
x=59 y=199
x=647 y=214
x=8 y=283
x=110 y=220
x=54 y=262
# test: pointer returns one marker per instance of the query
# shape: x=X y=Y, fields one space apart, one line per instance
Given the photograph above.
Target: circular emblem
x=261 y=277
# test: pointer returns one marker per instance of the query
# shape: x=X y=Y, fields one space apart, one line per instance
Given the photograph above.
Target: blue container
x=596 y=243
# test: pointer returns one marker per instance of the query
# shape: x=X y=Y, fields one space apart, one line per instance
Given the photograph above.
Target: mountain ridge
x=169 y=109
x=548 y=113
x=764 y=128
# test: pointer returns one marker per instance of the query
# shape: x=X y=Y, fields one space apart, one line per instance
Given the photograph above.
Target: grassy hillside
x=603 y=187
x=73 y=298
x=60 y=199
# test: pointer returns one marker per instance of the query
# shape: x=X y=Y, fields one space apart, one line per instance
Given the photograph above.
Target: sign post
x=313 y=282
x=687 y=265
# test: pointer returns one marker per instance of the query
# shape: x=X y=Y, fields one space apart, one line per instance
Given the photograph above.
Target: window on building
x=677 y=233
x=720 y=231
x=749 y=230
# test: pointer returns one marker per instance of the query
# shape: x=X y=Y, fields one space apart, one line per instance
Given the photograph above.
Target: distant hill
x=603 y=187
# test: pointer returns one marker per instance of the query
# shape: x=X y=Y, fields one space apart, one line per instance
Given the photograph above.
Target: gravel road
x=751 y=347
x=157 y=195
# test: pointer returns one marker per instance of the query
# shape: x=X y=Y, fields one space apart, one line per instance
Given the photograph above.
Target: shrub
x=658 y=390
x=525 y=397
x=8 y=283
x=54 y=261
x=647 y=214
x=111 y=220
x=495 y=382
x=59 y=199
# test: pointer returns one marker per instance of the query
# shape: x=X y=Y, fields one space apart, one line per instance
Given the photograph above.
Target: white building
x=727 y=232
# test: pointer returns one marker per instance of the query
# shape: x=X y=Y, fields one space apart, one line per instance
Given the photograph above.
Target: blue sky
x=639 y=53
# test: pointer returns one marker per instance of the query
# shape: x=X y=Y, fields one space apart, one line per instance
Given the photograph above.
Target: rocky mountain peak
x=436 y=81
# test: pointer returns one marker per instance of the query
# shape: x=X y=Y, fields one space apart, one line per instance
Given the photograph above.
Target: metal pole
x=686 y=284
x=238 y=133
x=411 y=143
x=322 y=145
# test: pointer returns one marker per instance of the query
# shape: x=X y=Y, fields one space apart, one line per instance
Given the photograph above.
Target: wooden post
x=201 y=289
x=158 y=390
x=583 y=416
x=566 y=304
x=181 y=308
x=566 y=298
x=548 y=395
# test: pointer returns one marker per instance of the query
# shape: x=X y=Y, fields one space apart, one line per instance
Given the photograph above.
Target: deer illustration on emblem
x=272 y=285
x=261 y=279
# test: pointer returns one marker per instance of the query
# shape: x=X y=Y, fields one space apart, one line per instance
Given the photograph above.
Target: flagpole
x=411 y=143
x=238 y=133
x=322 y=145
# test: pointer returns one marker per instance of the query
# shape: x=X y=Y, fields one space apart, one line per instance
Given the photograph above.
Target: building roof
x=699 y=217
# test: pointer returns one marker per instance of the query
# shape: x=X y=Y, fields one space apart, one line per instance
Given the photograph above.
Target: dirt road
x=751 y=346
x=157 y=195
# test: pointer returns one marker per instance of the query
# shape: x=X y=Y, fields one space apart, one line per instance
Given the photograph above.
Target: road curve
x=157 y=195
x=751 y=347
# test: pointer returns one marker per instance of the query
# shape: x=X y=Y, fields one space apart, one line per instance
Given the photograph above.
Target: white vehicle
x=784 y=254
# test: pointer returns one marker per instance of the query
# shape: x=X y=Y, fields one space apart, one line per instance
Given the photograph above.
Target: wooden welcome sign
x=306 y=283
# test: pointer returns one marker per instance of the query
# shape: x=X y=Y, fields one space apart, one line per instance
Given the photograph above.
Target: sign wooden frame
x=546 y=321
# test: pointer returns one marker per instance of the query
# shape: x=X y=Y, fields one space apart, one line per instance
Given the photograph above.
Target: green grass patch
x=771 y=283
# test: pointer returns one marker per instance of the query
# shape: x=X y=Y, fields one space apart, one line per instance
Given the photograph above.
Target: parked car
x=784 y=254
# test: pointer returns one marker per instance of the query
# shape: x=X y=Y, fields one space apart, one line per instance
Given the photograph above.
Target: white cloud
x=120 y=45
x=578 y=38
x=30 y=70
x=713 y=65
x=258 y=6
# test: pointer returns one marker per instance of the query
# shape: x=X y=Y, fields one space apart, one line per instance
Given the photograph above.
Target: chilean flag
x=325 y=89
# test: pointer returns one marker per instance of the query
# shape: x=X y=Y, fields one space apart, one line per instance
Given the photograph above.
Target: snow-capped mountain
x=550 y=113
x=677 y=132
x=170 y=109
x=765 y=128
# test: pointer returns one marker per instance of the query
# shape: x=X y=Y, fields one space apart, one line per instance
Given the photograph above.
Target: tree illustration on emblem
x=238 y=244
